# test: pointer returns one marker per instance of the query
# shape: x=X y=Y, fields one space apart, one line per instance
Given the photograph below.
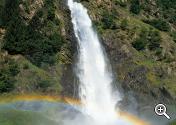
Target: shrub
x=6 y=86
x=159 y=24
x=121 y=3
x=167 y=4
x=135 y=6
x=7 y=81
x=15 y=37
x=25 y=66
x=43 y=85
x=51 y=14
x=139 y=44
x=49 y=3
x=148 y=38
x=158 y=51
x=124 y=24
x=13 y=69
x=154 y=41
x=167 y=10
x=108 y=20
x=173 y=34
x=173 y=19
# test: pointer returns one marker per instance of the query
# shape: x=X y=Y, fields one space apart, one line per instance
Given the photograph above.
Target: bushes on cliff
x=15 y=37
x=154 y=39
x=39 y=41
x=135 y=6
x=1 y=8
x=124 y=24
x=9 y=11
x=141 y=42
x=8 y=70
x=49 y=5
x=6 y=85
x=35 y=45
x=108 y=20
x=147 y=39
x=173 y=34
x=43 y=85
x=122 y=3
x=167 y=4
x=167 y=10
x=159 y=24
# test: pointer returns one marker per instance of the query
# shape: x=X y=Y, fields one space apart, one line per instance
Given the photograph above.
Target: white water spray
x=95 y=79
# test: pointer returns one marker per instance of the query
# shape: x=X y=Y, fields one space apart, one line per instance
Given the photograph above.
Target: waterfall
x=95 y=79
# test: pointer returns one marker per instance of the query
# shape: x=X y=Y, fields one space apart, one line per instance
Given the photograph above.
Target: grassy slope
x=14 y=117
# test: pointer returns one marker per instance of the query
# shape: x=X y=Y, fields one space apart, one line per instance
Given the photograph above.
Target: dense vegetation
x=9 y=11
x=135 y=6
x=39 y=47
x=108 y=20
x=30 y=46
x=150 y=39
x=8 y=70
x=160 y=24
x=168 y=9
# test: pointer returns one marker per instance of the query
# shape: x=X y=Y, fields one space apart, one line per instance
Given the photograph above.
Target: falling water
x=95 y=79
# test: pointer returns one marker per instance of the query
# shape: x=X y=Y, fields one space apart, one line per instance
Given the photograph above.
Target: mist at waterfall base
x=99 y=103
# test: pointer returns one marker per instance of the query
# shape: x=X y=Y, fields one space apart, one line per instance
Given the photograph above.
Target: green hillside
x=38 y=49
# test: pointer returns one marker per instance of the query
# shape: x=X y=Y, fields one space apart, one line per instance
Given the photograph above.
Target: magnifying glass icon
x=160 y=110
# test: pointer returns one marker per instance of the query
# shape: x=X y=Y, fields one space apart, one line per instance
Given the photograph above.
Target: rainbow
x=14 y=98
